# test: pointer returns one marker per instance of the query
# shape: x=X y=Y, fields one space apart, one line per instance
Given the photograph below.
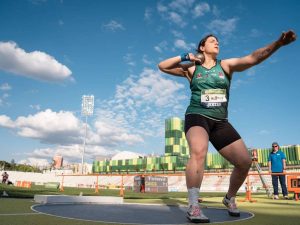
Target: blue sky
x=53 y=52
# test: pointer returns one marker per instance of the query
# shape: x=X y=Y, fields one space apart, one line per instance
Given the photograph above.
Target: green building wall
x=147 y=164
x=292 y=153
x=177 y=154
x=175 y=141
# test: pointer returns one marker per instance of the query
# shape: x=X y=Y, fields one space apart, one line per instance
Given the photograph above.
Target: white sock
x=193 y=195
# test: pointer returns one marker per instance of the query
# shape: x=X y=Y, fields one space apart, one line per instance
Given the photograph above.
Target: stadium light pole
x=87 y=109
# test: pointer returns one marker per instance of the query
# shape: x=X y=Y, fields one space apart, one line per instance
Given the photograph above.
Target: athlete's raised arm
x=174 y=65
x=256 y=57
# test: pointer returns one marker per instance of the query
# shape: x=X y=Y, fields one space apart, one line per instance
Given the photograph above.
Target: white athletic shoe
x=195 y=215
x=231 y=206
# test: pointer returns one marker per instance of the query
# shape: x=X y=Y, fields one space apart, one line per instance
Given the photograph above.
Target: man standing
x=4 y=177
x=277 y=165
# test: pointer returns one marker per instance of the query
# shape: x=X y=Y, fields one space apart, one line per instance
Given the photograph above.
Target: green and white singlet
x=210 y=92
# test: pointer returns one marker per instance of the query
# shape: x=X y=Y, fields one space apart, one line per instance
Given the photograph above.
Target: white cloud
x=5 y=95
x=176 y=12
x=64 y=128
x=46 y=126
x=128 y=59
x=5 y=87
x=36 y=64
x=223 y=27
x=113 y=133
x=237 y=83
x=216 y=12
x=153 y=88
x=181 y=44
x=35 y=162
x=5 y=121
x=158 y=49
x=244 y=80
x=161 y=8
x=201 y=9
x=264 y=132
x=255 y=33
x=182 y=6
x=148 y=14
x=47 y=153
x=177 y=34
x=142 y=103
x=93 y=151
x=3 y=99
x=177 y=19
x=146 y=60
x=171 y=16
x=113 y=26
x=71 y=154
x=195 y=27
x=162 y=46
x=36 y=107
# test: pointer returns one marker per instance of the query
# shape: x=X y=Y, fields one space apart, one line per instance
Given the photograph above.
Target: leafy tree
x=18 y=167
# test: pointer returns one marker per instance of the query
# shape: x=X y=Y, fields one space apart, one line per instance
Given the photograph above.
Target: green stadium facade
x=177 y=154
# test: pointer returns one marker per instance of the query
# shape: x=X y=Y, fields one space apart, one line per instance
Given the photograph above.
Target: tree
x=12 y=162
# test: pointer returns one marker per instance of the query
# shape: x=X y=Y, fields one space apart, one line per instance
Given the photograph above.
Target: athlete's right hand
x=194 y=58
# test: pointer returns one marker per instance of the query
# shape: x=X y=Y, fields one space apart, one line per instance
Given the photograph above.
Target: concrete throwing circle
x=133 y=213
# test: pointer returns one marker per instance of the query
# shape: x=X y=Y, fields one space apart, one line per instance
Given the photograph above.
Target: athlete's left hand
x=287 y=37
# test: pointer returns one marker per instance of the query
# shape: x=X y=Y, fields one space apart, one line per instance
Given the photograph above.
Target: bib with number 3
x=213 y=97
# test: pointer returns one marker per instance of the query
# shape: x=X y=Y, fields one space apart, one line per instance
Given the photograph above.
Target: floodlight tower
x=87 y=109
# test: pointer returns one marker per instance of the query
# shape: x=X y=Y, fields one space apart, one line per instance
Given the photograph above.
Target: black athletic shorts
x=221 y=133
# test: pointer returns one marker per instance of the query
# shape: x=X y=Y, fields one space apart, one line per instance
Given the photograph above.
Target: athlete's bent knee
x=243 y=164
x=198 y=154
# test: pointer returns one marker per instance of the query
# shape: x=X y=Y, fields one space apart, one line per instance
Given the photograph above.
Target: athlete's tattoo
x=264 y=53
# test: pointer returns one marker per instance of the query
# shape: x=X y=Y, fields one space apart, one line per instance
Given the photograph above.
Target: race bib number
x=213 y=98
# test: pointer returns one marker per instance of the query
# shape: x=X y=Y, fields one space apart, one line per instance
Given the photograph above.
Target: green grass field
x=15 y=209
